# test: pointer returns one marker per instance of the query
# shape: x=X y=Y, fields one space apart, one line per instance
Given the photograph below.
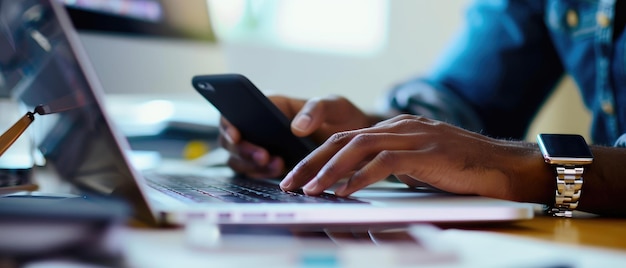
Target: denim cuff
x=621 y=141
x=419 y=97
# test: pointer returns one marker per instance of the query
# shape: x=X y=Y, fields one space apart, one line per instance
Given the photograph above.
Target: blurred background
x=301 y=48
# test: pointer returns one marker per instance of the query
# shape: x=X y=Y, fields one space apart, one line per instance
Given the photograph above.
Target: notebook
x=43 y=63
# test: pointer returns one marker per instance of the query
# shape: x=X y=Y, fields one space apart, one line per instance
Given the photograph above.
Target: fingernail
x=286 y=182
x=341 y=189
x=228 y=135
x=274 y=166
x=302 y=122
x=311 y=186
x=258 y=157
x=228 y=138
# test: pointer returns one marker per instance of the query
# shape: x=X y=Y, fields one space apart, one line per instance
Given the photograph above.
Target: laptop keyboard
x=238 y=190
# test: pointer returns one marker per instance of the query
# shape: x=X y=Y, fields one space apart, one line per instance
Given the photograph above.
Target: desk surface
x=606 y=233
x=584 y=231
x=540 y=242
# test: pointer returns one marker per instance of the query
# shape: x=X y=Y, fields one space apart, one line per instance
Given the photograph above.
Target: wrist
x=529 y=179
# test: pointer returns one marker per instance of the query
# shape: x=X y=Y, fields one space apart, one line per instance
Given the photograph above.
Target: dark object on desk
x=256 y=117
x=38 y=227
x=174 y=137
x=12 y=177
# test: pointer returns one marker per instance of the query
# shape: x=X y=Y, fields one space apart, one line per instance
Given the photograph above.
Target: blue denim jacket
x=508 y=59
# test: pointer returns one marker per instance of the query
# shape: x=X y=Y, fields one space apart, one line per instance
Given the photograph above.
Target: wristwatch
x=568 y=154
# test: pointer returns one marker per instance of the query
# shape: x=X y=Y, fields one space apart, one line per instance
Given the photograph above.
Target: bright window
x=351 y=27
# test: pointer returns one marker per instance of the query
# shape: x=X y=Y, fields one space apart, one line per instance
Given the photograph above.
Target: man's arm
x=494 y=76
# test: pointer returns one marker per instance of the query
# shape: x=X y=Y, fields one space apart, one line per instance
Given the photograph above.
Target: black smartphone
x=259 y=121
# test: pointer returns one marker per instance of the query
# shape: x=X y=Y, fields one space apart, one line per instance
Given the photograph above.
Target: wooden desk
x=592 y=231
x=583 y=231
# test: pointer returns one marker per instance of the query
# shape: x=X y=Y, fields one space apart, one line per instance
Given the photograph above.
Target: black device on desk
x=174 y=137
x=256 y=117
x=36 y=227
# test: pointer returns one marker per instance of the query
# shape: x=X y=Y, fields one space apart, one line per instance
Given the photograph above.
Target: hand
x=318 y=118
x=417 y=149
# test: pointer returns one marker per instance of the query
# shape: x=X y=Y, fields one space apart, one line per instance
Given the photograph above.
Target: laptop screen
x=42 y=63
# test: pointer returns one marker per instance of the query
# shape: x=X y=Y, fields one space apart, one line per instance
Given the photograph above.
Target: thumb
x=309 y=118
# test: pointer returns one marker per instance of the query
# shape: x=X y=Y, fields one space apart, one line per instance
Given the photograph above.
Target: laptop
x=43 y=63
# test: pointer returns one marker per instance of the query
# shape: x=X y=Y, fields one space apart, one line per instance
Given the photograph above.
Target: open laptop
x=43 y=63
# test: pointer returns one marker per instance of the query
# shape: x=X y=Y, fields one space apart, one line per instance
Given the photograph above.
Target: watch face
x=564 y=149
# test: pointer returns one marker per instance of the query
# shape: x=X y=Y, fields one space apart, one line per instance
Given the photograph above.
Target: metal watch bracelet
x=569 y=182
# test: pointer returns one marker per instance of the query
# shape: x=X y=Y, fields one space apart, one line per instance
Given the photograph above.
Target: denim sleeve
x=621 y=141
x=494 y=76
x=422 y=98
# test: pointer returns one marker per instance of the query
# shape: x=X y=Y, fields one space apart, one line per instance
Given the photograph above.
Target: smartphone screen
x=258 y=120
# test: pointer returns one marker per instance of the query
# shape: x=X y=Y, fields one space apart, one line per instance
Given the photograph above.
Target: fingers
x=272 y=169
x=348 y=159
x=248 y=158
x=365 y=155
x=307 y=170
x=406 y=118
x=229 y=132
x=385 y=163
x=246 y=151
x=318 y=118
x=309 y=118
x=288 y=106
x=412 y=182
x=254 y=161
x=388 y=156
x=333 y=114
x=344 y=154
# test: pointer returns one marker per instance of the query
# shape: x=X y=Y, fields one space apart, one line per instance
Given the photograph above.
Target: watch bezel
x=577 y=153
x=567 y=160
